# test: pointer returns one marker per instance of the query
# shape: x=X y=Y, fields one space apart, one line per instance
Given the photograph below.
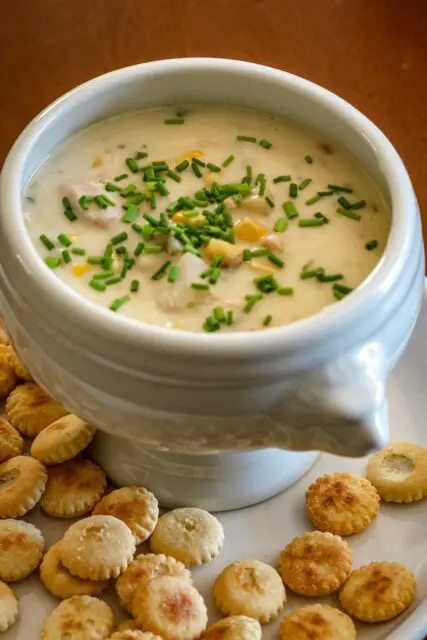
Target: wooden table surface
x=373 y=53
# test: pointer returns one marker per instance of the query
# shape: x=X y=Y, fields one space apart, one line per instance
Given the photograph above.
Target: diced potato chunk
x=248 y=230
x=256 y=204
x=194 y=220
x=231 y=253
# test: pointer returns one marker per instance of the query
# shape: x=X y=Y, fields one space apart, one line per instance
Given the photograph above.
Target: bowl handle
x=339 y=408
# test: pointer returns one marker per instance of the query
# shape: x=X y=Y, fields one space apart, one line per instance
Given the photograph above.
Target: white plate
x=398 y=534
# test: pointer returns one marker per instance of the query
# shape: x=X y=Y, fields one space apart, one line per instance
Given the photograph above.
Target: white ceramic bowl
x=317 y=384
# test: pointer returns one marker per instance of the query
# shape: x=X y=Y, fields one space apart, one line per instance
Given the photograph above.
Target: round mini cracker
x=134 y=634
x=30 y=409
x=97 y=548
x=11 y=443
x=73 y=488
x=22 y=482
x=62 y=440
x=399 y=472
x=18 y=367
x=378 y=591
x=250 y=588
x=234 y=628
x=136 y=506
x=342 y=503
x=7 y=376
x=315 y=564
x=128 y=625
x=143 y=568
x=59 y=581
x=79 y=618
x=319 y=621
x=191 y=535
x=8 y=607
x=170 y=607
x=21 y=549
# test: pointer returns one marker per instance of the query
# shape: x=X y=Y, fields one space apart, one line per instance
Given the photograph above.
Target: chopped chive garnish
x=139 y=249
x=336 y=187
x=162 y=189
x=118 y=302
x=94 y=260
x=219 y=314
x=293 y=190
x=78 y=251
x=108 y=200
x=162 y=271
x=98 y=286
x=114 y=280
x=282 y=179
x=84 y=202
x=152 y=250
x=100 y=202
x=360 y=204
x=342 y=288
x=251 y=302
x=52 y=262
x=311 y=273
x=325 y=193
x=311 y=222
x=174 y=121
x=132 y=165
x=174 y=176
x=302 y=185
x=320 y=215
x=47 y=243
x=131 y=214
x=289 y=208
x=121 y=177
x=371 y=245
x=182 y=166
x=269 y=201
x=228 y=160
x=139 y=155
x=285 y=291
x=120 y=237
x=149 y=174
x=313 y=200
x=68 y=211
x=211 y=324
x=344 y=202
x=276 y=260
x=151 y=219
x=173 y=274
x=199 y=162
x=332 y=277
x=266 y=284
x=159 y=164
x=110 y=186
x=265 y=143
x=230 y=318
x=213 y=167
x=260 y=179
x=349 y=213
x=196 y=169
x=134 y=286
x=66 y=256
x=153 y=200
x=246 y=138
x=248 y=254
x=102 y=275
x=200 y=286
x=308 y=159
x=281 y=225
x=267 y=320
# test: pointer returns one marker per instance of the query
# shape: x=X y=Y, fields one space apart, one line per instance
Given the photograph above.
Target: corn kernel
x=248 y=230
x=80 y=269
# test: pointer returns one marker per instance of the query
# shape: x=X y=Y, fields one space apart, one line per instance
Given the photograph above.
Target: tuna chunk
x=101 y=217
x=180 y=295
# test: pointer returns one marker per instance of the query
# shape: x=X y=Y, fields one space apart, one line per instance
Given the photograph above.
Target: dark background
x=373 y=53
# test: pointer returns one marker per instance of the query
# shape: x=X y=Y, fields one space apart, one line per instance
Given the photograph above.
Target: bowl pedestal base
x=216 y=482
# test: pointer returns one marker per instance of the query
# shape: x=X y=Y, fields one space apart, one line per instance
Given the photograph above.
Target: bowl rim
x=117 y=327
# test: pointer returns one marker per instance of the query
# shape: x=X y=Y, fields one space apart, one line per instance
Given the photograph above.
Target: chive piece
x=213 y=167
x=173 y=274
x=132 y=165
x=118 y=302
x=131 y=214
x=325 y=193
x=94 y=260
x=266 y=284
x=311 y=273
x=289 y=208
x=311 y=222
x=270 y=202
x=332 y=277
x=114 y=280
x=267 y=320
x=282 y=179
x=68 y=211
x=162 y=189
x=344 y=202
x=211 y=324
x=153 y=201
x=276 y=260
x=313 y=200
x=139 y=249
x=308 y=159
x=134 y=286
x=98 y=286
x=320 y=215
x=199 y=162
x=102 y=275
x=66 y=256
x=47 y=243
x=160 y=166
x=246 y=138
x=248 y=254
x=152 y=250
x=302 y=185
x=342 y=288
x=149 y=174
x=174 y=176
x=360 y=204
x=349 y=214
x=78 y=251
x=285 y=291
x=174 y=121
x=121 y=177
x=230 y=319
x=182 y=166
x=371 y=245
x=265 y=143
x=108 y=200
x=251 y=302
x=336 y=187
x=52 y=262
x=219 y=314
x=338 y=295
x=84 y=202
x=139 y=155
x=158 y=275
x=120 y=237
x=281 y=225
x=228 y=160
x=196 y=169
x=293 y=190
x=113 y=188
x=200 y=286
x=100 y=202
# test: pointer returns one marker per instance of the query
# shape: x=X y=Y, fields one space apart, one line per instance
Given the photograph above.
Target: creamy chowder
x=212 y=218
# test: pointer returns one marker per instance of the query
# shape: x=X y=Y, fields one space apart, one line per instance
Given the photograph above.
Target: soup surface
x=217 y=218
